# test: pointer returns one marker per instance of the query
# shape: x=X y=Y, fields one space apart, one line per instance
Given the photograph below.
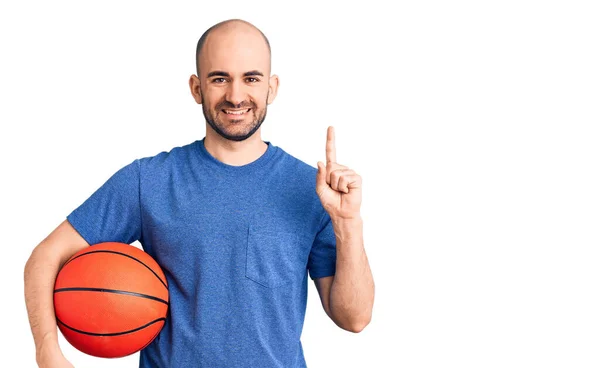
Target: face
x=234 y=86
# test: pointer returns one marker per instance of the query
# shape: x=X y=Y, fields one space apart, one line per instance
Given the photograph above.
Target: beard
x=246 y=130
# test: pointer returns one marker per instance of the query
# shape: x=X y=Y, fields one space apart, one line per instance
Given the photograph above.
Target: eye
x=219 y=80
x=252 y=80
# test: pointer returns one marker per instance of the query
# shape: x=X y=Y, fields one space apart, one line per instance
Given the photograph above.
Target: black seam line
x=113 y=291
x=110 y=334
x=123 y=254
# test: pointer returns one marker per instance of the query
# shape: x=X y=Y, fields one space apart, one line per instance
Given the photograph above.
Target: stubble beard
x=219 y=127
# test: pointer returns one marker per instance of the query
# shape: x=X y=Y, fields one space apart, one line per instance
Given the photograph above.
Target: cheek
x=260 y=99
x=213 y=97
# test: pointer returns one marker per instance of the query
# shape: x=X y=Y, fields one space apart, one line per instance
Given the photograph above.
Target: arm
x=40 y=273
x=348 y=296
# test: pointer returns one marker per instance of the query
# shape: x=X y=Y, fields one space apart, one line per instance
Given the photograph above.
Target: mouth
x=236 y=113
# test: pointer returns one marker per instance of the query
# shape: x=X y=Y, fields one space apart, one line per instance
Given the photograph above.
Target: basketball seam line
x=123 y=254
x=113 y=333
x=131 y=293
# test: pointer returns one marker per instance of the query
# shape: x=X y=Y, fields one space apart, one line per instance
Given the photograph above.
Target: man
x=236 y=224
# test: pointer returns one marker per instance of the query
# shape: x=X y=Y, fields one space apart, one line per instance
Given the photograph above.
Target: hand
x=50 y=356
x=338 y=187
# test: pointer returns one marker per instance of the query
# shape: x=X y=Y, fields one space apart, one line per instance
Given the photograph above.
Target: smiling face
x=233 y=84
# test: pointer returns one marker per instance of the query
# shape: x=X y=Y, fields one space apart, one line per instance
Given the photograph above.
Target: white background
x=473 y=123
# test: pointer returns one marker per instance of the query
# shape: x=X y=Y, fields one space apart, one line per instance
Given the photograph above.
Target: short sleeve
x=112 y=212
x=321 y=261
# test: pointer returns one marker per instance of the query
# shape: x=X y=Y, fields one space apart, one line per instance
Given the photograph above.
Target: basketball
x=110 y=300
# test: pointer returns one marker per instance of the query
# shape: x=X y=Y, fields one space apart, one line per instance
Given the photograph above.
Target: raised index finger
x=330 y=145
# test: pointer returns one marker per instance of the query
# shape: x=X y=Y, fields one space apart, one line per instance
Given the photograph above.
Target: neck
x=234 y=153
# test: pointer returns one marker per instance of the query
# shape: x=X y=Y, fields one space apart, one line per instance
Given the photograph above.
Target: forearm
x=352 y=291
x=40 y=273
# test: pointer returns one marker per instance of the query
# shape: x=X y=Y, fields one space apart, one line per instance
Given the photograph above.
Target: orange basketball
x=110 y=300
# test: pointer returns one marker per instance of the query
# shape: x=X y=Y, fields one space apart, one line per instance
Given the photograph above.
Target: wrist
x=47 y=347
x=347 y=227
x=347 y=221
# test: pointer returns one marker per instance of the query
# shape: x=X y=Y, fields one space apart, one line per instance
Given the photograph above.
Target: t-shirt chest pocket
x=275 y=258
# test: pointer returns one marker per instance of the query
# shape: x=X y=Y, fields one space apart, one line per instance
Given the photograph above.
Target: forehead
x=235 y=51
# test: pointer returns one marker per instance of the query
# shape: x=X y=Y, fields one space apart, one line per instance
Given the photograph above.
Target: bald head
x=234 y=84
x=232 y=28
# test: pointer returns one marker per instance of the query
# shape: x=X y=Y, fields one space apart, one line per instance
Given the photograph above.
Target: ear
x=195 y=89
x=273 y=87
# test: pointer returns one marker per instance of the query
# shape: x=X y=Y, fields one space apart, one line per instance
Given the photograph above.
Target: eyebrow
x=221 y=73
x=253 y=72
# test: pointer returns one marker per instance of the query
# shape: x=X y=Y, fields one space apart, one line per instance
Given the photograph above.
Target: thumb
x=321 y=179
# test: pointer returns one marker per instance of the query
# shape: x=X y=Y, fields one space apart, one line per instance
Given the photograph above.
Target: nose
x=235 y=93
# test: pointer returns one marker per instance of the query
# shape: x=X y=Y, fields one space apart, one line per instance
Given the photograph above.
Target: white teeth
x=235 y=112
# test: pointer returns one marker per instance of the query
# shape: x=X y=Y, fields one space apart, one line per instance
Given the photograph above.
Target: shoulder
x=297 y=165
x=172 y=156
x=296 y=174
x=298 y=186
